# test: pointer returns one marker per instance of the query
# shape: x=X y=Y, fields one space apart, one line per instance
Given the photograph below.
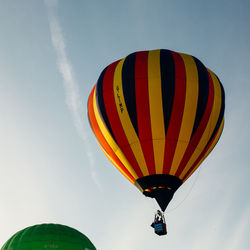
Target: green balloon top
x=48 y=236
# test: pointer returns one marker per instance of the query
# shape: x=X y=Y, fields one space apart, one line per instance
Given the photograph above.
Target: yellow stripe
x=209 y=150
x=189 y=110
x=217 y=101
x=125 y=119
x=156 y=109
x=111 y=141
x=114 y=163
x=209 y=128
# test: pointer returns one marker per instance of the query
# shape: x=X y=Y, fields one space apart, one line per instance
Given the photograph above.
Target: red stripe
x=200 y=130
x=113 y=117
x=101 y=138
x=177 y=112
x=143 y=110
x=200 y=156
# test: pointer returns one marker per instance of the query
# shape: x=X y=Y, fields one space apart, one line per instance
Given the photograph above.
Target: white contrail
x=73 y=99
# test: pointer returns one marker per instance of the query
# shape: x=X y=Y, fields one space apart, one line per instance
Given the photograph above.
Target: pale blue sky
x=51 y=169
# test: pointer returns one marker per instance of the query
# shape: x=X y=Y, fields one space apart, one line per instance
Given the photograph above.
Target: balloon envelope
x=157 y=115
x=48 y=236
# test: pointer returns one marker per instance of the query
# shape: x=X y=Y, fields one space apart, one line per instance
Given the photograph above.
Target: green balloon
x=48 y=236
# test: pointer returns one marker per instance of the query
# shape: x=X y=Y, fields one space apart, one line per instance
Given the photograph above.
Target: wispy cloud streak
x=73 y=99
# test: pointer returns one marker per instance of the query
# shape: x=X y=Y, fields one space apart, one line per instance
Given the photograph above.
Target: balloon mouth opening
x=160 y=187
x=149 y=192
x=151 y=183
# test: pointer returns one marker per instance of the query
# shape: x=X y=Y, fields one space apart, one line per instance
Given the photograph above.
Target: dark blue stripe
x=221 y=115
x=203 y=81
x=167 y=66
x=128 y=85
x=100 y=102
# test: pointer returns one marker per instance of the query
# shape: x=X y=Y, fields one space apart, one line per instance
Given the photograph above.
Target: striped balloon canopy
x=157 y=115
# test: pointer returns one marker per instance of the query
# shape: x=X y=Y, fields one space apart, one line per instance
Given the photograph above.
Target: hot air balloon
x=47 y=236
x=157 y=115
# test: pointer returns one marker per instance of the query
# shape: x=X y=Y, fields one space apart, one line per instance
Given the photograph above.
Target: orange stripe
x=103 y=143
x=113 y=117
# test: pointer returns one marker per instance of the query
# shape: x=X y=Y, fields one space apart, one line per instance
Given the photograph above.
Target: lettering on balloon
x=51 y=245
x=119 y=98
